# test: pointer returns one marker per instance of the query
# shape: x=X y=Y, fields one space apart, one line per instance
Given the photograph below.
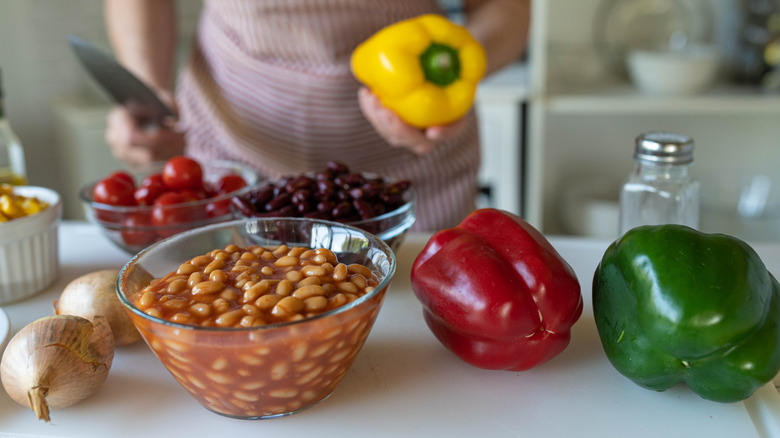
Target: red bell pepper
x=496 y=293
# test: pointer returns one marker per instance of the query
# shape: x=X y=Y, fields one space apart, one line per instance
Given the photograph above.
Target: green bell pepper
x=673 y=305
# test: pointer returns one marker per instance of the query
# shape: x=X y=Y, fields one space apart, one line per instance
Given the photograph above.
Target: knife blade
x=127 y=89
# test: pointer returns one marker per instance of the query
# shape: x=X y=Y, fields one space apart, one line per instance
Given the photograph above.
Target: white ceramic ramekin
x=29 y=253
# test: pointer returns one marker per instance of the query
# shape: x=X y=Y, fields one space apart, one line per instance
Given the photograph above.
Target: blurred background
x=557 y=127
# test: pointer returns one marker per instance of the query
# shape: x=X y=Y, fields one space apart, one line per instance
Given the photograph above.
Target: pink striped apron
x=268 y=84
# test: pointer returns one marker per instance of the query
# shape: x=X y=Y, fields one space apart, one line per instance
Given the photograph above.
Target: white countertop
x=403 y=382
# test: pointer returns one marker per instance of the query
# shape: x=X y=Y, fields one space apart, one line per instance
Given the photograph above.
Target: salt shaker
x=660 y=189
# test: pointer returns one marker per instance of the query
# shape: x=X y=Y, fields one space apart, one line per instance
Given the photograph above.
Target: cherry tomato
x=228 y=184
x=136 y=230
x=218 y=208
x=124 y=176
x=165 y=213
x=114 y=191
x=154 y=179
x=181 y=173
x=194 y=195
x=148 y=193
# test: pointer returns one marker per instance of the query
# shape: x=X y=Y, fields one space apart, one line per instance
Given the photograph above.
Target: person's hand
x=399 y=133
x=136 y=145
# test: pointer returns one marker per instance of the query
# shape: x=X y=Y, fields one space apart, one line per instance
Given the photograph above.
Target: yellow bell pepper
x=425 y=69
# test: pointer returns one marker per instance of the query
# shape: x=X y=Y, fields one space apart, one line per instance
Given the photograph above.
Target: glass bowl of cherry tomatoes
x=135 y=211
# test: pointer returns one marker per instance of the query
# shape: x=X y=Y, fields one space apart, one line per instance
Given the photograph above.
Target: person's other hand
x=134 y=144
x=399 y=133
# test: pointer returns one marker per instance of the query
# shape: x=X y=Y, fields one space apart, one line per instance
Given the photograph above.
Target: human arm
x=143 y=36
x=501 y=26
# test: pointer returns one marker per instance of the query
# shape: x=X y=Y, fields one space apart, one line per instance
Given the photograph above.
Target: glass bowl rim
x=376 y=241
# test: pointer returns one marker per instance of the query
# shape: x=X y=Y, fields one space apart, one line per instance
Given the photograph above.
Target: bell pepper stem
x=441 y=64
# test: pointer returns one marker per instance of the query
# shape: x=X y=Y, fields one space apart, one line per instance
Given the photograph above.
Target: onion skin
x=94 y=294
x=57 y=361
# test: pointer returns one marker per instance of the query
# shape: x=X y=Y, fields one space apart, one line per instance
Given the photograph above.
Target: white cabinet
x=582 y=122
x=500 y=104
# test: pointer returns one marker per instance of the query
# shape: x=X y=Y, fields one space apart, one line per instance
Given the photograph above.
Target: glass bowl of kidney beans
x=367 y=201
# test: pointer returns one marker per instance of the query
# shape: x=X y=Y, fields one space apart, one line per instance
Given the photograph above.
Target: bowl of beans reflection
x=381 y=206
x=258 y=318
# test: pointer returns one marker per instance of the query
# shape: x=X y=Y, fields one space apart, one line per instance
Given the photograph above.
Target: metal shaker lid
x=660 y=148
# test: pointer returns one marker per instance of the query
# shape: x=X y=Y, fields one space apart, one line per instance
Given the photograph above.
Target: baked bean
x=287 y=307
x=201 y=260
x=147 y=299
x=359 y=280
x=294 y=276
x=319 y=259
x=286 y=261
x=297 y=251
x=284 y=288
x=359 y=269
x=220 y=276
x=229 y=319
x=213 y=265
x=250 y=309
x=328 y=254
x=177 y=286
x=280 y=251
x=267 y=302
x=309 y=281
x=230 y=294
x=313 y=271
x=309 y=291
x=182 y=318
x=248 y=255
x=200 y=309
x=247 y=287
x=348 y=287
x=315 y=303
x=207 y=287
x=194 y=278
x=340 y=272
x=221 y=305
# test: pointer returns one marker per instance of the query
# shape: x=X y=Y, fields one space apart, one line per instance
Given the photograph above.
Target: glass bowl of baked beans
x=258 y=318
x=381 y=206
x=135 y=210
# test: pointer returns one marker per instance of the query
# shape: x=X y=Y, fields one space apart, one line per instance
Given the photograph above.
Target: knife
x=123 y=86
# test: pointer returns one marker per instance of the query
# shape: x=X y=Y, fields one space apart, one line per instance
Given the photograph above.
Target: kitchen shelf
x=624 y=98
x=582 y=118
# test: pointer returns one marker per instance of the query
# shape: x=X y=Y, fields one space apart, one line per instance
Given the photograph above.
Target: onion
x=57 y=361
x=94 y=294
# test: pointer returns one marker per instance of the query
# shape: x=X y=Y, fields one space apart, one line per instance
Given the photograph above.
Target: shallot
x=57 y=361
x=94 y=294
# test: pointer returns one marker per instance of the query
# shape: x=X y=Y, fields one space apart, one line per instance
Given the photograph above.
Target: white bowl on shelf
x=691 y=71
x=29 y=256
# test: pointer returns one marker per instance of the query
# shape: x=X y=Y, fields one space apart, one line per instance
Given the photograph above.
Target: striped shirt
x=268 y=83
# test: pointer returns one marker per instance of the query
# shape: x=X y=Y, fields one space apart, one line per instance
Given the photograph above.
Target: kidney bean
x=303 y=207
x=342 y=210
x=363 y=208
x=300 y=196
x=337 y=167
x=259 y=198
x=243 y=205
x=325 y=206
x=278 y=202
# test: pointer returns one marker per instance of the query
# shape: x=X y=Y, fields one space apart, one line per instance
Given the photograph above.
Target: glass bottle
x=12 y=166
x=660 y=189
